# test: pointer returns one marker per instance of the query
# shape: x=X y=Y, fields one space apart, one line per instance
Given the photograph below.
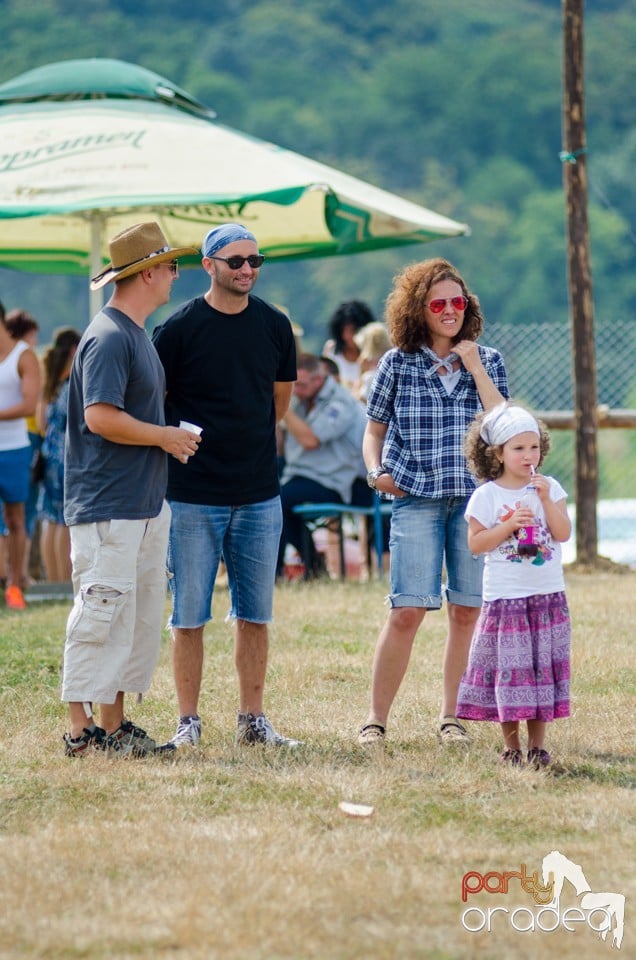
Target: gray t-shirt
x=117 y=364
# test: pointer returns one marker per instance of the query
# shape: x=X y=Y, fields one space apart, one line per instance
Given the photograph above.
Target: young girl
x=519 y=661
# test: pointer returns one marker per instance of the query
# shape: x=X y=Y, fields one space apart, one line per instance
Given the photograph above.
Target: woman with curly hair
x=426 y=392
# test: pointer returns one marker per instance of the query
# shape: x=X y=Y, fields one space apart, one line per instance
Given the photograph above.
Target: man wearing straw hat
x=115 y=477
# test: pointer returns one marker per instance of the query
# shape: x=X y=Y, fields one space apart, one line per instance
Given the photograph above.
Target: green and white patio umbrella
x=88 y=147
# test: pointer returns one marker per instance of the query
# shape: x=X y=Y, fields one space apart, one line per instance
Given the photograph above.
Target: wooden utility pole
x=573 y=157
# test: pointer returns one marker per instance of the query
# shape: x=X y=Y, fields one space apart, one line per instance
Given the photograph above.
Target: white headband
x=503 y=422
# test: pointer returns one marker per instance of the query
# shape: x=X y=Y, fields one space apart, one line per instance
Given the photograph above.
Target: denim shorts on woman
x=15 y=468
x=428 y=536
x=247 y=539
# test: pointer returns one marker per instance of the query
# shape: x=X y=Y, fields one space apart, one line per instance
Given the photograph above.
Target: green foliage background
x=456 y=106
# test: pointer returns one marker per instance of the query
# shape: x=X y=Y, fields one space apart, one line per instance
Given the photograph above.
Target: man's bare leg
x=187 y=665
x=111 y=715
x=250 y=657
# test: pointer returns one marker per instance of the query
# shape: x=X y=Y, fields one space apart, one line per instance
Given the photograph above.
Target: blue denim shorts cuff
x=412 y=600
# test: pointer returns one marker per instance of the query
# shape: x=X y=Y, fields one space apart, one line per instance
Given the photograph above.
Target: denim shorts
x=247 y=539
x=428 y=536
x=15 y=471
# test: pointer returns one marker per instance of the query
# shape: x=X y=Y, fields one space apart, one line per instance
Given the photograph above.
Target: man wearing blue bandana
x=230 y=364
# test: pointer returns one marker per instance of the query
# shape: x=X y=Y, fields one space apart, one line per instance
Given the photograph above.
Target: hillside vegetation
x=456 y=106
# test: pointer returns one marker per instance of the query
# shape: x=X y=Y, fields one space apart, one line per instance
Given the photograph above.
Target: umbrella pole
x=96 y=297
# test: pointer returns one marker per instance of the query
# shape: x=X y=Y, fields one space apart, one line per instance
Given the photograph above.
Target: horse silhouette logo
x=557 y=869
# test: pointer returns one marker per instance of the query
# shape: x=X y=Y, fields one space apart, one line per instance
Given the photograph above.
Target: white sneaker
x=257 y=729
x=188 y=732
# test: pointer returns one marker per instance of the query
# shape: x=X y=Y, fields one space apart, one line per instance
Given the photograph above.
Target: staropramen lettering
x=69 y=147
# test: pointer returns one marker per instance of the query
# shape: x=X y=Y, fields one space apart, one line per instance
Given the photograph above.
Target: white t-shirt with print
x=506 y=574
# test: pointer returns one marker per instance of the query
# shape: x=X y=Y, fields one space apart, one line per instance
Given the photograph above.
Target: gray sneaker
x=257 y=729
x=91 y=738
x=131 y=741
x=188 y=732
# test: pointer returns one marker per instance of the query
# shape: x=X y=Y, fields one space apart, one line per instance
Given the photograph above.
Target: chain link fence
x=539 y=362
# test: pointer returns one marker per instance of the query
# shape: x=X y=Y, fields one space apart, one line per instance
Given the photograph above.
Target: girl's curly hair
x=405 y=304
x=483 y=460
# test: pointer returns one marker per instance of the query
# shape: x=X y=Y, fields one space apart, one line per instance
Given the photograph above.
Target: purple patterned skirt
x=519 y=661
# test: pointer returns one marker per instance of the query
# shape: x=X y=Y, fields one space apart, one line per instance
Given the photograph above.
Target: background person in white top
x=19 y=391
x=519 y=661
x=341 y=347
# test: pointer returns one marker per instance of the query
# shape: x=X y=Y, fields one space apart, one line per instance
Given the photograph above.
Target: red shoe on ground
x=14 y=598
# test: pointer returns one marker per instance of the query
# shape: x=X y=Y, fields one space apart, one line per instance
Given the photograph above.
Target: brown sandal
x=371 y=733
x=452 y=731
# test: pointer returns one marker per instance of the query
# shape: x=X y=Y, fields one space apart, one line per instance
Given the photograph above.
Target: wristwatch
x=372 y=475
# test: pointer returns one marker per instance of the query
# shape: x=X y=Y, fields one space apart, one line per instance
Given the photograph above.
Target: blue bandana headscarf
x=219 y=237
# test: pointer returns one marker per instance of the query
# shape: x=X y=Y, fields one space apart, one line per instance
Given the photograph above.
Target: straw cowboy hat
x=135 y=249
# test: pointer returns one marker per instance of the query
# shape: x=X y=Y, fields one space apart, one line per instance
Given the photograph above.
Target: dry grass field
x=220 y=854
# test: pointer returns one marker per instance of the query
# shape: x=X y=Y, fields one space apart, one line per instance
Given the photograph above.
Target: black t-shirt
x=220 y=373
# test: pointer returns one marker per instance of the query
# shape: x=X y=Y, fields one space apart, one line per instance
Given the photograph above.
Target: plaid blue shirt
x=423 y=447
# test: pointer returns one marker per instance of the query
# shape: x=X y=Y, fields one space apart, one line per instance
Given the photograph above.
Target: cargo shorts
x=113 y=633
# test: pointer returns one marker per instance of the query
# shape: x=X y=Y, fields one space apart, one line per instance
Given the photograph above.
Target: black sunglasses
x=255 y=261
